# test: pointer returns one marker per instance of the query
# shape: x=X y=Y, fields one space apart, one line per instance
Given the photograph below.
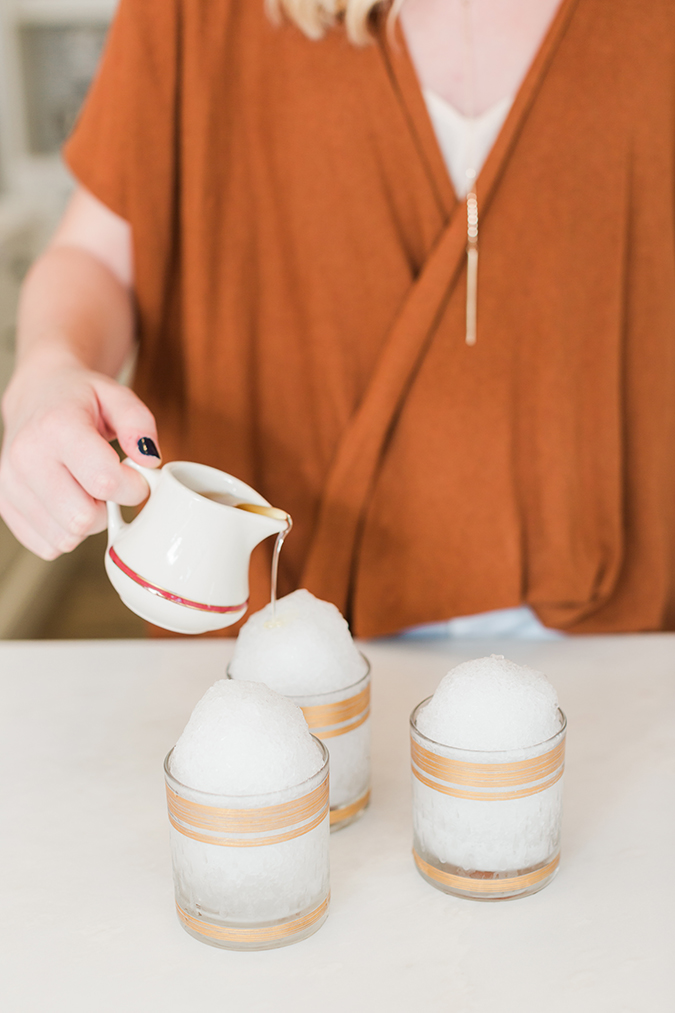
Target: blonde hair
x=315 y=17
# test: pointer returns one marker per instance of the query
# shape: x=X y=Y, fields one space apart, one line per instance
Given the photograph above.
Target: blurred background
x=49 y=50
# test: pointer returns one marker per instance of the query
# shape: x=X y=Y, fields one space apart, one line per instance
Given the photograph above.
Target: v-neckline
x=453 y=111
x=409 y=89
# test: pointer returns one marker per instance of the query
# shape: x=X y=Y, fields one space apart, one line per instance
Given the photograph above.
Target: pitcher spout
x=268 y=520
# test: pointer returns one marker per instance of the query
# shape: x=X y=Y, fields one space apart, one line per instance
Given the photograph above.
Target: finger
x=70 y=436
x=24 y=531
x=95 y=466
x=75 y=513
x=131 y=421
x=57 y=509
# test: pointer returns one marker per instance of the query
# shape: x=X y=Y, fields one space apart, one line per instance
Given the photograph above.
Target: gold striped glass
x=341 y=720
x=486 y=825
x=251 y=872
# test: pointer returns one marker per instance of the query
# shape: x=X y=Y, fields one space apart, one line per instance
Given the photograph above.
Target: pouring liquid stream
x=281 y=537
x=267 y=511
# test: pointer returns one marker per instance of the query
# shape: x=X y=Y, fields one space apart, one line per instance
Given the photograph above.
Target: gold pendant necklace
x=471 y=175
x=471 y=266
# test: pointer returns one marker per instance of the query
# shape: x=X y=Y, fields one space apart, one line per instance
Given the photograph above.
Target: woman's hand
x=75 y=332
x=57 y=467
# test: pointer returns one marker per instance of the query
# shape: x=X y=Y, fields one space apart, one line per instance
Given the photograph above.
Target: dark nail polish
x=147 y=447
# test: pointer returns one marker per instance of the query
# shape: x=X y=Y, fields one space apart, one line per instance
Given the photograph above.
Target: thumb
x=131 y=422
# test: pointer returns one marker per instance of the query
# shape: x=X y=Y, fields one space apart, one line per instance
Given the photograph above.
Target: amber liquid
x=227 y=499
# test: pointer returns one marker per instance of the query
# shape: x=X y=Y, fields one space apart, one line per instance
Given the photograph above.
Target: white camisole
x=457 y=135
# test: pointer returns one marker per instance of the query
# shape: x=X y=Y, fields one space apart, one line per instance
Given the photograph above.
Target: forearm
x=63 y=405
x=74 y=309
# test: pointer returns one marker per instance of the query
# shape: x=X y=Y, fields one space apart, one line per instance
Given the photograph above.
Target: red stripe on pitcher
x=219 y=609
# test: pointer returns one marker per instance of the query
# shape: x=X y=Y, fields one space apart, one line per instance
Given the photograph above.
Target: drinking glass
x=341 y=719
x=251 y=872
x=486 y=824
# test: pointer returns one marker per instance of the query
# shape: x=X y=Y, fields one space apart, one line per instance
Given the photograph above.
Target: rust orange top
x=301 y=282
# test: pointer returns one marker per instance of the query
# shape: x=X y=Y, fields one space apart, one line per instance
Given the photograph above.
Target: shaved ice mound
x=243 y=739
x=491 y=704
x=303 y=647
x=304 y=650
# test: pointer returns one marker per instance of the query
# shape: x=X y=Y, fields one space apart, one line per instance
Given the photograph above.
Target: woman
x=271 y=197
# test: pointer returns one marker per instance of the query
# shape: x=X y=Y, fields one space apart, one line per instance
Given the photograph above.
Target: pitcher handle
x=116 y=523
x=151 y=475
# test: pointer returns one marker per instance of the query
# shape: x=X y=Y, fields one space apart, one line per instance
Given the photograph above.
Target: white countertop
x=88 y=921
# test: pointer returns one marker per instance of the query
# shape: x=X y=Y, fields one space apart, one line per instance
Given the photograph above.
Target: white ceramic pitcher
x=183 y=562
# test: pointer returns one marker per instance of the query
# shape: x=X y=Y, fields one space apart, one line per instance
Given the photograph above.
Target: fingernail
x=147 y=447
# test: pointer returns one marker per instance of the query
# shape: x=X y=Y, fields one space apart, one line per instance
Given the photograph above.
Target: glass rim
x=485 y=752
x=171 y=780
x=328 y=692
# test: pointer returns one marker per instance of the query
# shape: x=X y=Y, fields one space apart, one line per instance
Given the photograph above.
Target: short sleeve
x=123 y=145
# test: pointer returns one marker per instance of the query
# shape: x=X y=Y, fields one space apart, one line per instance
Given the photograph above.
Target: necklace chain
x=471 y=175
